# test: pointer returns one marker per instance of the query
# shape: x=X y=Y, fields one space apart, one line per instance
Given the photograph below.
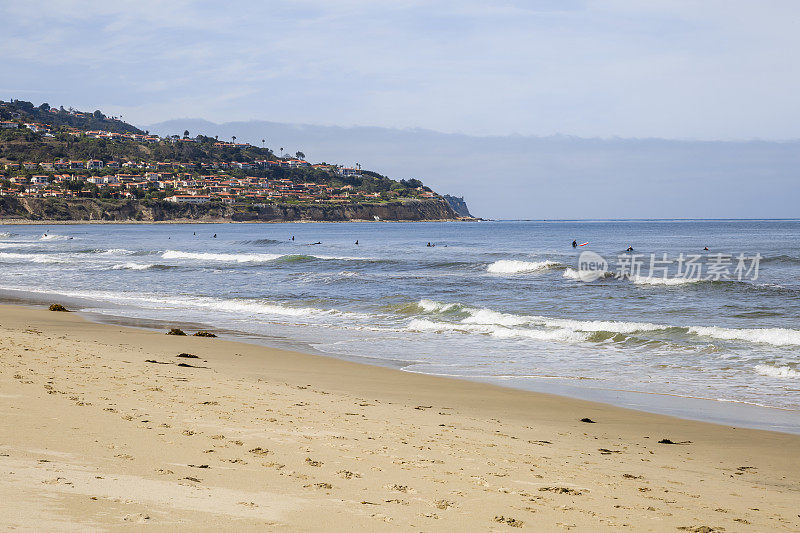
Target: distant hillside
x=68 y=165
x=82 y=120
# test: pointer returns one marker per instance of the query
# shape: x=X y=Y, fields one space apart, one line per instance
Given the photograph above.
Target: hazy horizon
x=557 y=177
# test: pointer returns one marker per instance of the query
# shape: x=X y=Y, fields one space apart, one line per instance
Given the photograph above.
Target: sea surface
x=494 y=301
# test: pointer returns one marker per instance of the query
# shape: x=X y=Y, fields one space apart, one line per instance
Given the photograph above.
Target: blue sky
x=713 y=70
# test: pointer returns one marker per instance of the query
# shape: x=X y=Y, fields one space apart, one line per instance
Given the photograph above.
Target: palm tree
x=262 y=142
x=281 y=152
x=185 y=134
x=234 y=139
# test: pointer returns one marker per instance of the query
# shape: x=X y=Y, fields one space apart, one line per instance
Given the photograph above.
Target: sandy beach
x=105 y=427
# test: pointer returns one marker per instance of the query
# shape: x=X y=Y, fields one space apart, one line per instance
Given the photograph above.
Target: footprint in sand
x=259 y=451
x=400 y=488
x=513 y=522
x=561 y=490
x=443 y=504
x=137 y=518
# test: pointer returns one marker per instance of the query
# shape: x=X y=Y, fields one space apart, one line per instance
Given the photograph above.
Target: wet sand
x=104 y=428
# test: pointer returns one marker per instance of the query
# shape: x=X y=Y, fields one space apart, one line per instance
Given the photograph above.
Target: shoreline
x=96 y=437
x=694 y=408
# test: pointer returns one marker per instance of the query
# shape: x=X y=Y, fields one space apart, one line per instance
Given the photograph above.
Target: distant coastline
x=93 y=211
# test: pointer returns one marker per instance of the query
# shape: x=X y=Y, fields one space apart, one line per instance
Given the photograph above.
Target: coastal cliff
x=458 y=205
x=100 y=210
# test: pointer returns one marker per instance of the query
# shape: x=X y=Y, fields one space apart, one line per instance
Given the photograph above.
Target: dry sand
x=94 y=437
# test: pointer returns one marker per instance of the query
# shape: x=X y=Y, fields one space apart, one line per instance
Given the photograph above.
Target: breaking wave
x=117 y=251
x=31 y=258
x=507 y=325
x=141 y=266
x=507 y=266
x=231 y=258
x=773 y=336
x=257 y=258
x=458 y=317
x=497 y=331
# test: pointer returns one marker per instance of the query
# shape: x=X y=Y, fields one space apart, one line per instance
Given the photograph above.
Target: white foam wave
x=774 y=336
x=502 y=332
x=594 y=326
x=232 y=258
x=152 y=301
x=482 y=320
x=647 y=280
x=117 y=251
x=18 y=244
x=431 y=306
x=342 y=258
x=491 y=317
x=506 y=266
x=132 y=266
x=33 y=258
x=4 y=235
x=777 y=371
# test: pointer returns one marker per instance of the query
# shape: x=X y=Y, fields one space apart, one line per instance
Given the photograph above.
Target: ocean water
x=494 y=301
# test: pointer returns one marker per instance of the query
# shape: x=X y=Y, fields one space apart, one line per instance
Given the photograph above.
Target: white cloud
x=613 y=67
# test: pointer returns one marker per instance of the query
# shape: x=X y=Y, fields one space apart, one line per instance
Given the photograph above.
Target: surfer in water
x=356 y=242
x=630 y=249
x=705 y=249
x=574 y=244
